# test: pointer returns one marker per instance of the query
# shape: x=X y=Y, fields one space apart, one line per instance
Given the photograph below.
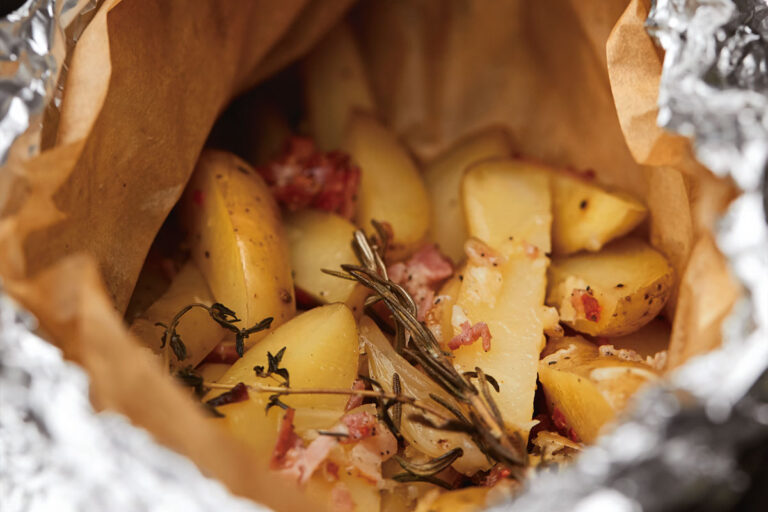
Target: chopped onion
x=383 y=362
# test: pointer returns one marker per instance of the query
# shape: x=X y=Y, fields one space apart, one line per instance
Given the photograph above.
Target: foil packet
x=691 y=440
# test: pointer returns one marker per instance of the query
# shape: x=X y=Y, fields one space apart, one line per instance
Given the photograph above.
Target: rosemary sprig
x=222 y=315
x=431 y=467
x=482 y=420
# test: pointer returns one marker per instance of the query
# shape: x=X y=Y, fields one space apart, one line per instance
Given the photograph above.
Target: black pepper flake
x=461 y=277
x=620 y=285
x=583 y=204
x=551 y=363
x=645 y=296
x=207 y=254
x=242 y=169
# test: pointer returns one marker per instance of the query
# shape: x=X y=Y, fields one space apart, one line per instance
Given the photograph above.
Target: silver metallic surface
x=57 y=454
x=679 y=443
x=30 y=52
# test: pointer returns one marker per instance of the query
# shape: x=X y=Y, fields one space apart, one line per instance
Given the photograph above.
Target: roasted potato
x=507 y=205
x=391 y=187
x=335 y=85
x=321 y=240
x=237 y=240
x=649 y=340
x=612 y=292
x=443 y=180
x=586 y=216
x=198 y=331
x=584 y=388
x=507 y=200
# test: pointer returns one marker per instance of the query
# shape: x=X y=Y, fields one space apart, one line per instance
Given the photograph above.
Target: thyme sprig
x=279 y=391
x=222 y=315
x=481 y=418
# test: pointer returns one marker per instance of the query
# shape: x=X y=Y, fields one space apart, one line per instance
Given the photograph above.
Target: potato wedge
x=649 y=340
x=443 y=180
x=613 y=292
x=586 y=216
x=237 y=240
x=321 y=240
x=586 y=389
x=391 y=187
x=507 y=200
x=321 y=352
x=335 y=85
x=198 y=331
x=508 y=206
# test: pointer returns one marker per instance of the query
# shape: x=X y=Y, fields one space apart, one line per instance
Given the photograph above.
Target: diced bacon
x=331 y=471
x=341 y=498
x=561 y=424
x=304 y=177
x=530 y=250
x=586 y=305
x=286 y=440
x=225 y=352
x=238 y=393
x=292 y=458
x=496 y=474
x=355 y=400
x=421 y=275
x=480 y=253
x=369 y=452
x=360 y=425
x=470 y=334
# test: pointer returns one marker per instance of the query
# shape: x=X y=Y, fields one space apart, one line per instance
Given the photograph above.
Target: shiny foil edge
x=652 y=460
x=56 y=453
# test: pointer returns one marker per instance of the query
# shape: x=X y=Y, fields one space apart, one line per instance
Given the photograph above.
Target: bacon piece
x=561 y=424
x=291 y=456
x=303 y=177
x=286 y=440
x=421 y=275
x=355 y=400
x=586 y=304
x=224 y=352
x=238 y=393
x=470 y=334
x=369 y=452
x=496 y=474
x=360 y=425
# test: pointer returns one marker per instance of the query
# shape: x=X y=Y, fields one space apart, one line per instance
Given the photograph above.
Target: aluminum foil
x=691 y=440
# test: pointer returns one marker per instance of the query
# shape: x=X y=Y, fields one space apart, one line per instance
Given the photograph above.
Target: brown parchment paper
x=574 y=80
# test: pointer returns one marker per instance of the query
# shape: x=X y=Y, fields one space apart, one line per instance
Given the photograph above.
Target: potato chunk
x=508 y=200
x=391 y=187
x=237 y=239
x=321 y=240
x=613 y=292
x=585 y=216
x=198 y=331
x=586 y=389
x=443 y=179
x=507 y=206
x=334 y=86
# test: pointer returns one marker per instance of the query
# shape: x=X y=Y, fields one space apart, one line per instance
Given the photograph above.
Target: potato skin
x=627 y=283
x=237 y=240
x=392 y=189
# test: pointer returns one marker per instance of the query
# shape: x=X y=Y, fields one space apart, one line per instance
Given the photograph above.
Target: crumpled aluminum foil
x=690 y=440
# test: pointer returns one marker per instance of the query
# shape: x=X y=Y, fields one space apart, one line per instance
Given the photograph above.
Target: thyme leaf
x=222 y=315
